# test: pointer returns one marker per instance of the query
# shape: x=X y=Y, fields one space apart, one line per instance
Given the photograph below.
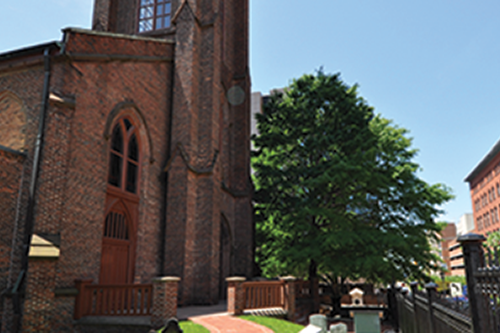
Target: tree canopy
x=337 y=190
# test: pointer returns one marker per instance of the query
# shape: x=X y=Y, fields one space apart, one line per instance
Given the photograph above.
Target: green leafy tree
x=337 y=191
x=493 y=241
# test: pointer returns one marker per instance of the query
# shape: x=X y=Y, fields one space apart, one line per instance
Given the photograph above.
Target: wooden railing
x=113 y=300
x=265 y=294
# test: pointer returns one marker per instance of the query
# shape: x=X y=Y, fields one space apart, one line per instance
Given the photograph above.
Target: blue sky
x=431 y=66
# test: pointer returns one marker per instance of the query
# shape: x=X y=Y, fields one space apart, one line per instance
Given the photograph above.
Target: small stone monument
x=317 y=324
x=318 y=320
x=367 y=321
x=338 y=328
x=357 y=297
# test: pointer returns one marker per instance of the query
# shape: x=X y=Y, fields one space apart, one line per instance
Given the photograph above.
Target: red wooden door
x=115 y=257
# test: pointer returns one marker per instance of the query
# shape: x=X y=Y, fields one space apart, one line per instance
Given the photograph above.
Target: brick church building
x=124 y=156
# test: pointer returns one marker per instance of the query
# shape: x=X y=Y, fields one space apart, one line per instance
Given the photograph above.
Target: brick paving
x=225 y=323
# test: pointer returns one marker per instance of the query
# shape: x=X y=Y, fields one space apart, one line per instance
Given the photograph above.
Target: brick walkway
x=229 y=324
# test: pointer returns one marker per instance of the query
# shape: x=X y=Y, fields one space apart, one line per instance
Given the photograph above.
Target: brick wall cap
x=236 y=279
x=116 y=35
x=42 y=249
x=166 y=279
x=64 y=101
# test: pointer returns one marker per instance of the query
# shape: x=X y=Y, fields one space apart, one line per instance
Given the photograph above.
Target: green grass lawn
x=277 y=325
x=190 y=327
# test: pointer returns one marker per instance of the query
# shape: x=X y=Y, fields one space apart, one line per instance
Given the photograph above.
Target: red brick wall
x=208 y=180
x=39 y=303
x=203 y=123
x=485 y=198
x=72 y=180
x=10 y=181
x=79 y=148
x=24 y=88
x=12 y=122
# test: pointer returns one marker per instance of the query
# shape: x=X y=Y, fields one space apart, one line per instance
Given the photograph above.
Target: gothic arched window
x=154 y=15
x=124 y=156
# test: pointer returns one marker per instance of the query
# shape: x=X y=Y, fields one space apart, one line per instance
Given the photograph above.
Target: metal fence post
x=474 y=259
x=431 y=296
x=414 y=289
x=393 y=307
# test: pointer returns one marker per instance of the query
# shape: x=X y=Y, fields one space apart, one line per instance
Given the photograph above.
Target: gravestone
x=366 y=321
x=338 y=328
x=319 y=320
x=317 y=324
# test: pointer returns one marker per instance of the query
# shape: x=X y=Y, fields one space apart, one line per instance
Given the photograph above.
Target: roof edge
x=30 y=50
x=115 y=35
x=484 y=162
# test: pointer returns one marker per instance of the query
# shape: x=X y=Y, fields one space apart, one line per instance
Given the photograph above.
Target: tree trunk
x=313 y=285
x=336 y=297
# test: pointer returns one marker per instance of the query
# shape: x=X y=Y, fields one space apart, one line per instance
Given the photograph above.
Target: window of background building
x=154 y=15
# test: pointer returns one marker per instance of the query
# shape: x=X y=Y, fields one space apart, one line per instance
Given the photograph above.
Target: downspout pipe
x=163 y=225
x=30 y=212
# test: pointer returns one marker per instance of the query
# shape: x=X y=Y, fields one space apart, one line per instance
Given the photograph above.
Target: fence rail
x=426 y=313
x=264 y=294
x=114 y=300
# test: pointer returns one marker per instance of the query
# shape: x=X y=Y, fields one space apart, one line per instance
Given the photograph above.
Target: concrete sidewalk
x=224 y=323
x=184 y=313
x=216 y=319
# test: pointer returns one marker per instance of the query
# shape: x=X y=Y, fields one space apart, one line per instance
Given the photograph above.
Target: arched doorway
x=122 y=199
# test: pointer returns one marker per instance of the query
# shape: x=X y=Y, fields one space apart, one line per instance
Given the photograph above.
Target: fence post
x=474 y=259
x=80 y=300
x=393 y=307
x=164 y=300
x=289 y=293
x=414 y=289
x=235 y=295
x=431 y=296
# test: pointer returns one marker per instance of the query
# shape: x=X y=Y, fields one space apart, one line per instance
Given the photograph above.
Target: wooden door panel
x=114 y=262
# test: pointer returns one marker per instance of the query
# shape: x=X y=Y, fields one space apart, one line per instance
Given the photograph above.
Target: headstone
x=319 y=320
x=172 y=327
x=367 y=321
x=338 y=328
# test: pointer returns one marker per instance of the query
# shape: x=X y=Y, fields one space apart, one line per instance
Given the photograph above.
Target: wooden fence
x=114 y=300
x=264 y=294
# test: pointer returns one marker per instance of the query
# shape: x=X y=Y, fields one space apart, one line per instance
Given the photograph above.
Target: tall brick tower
x=208 y=231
